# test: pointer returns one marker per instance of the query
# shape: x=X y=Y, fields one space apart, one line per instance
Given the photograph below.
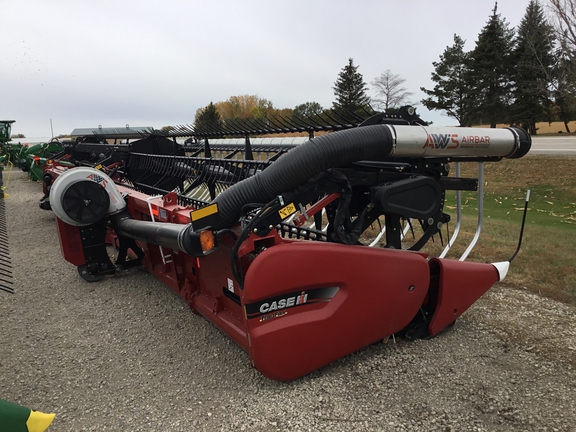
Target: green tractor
x=5 y=129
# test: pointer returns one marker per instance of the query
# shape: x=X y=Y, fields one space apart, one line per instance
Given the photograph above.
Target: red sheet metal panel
x=309 y=304
x=460 y=285
x=70 y=243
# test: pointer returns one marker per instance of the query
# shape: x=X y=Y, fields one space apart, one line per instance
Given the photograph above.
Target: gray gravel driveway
x=125 y=354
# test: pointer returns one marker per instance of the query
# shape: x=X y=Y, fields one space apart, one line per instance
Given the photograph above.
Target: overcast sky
x=84 y=63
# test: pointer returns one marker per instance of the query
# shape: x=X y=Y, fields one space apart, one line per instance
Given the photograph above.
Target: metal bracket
x=166 y=258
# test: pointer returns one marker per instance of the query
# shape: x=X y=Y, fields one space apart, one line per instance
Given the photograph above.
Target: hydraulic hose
x=302 y=163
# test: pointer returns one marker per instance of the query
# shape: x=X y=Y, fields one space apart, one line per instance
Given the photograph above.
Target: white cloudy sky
x=84 y=63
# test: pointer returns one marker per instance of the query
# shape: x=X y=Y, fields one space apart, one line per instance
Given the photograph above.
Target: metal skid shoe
x=97 y=263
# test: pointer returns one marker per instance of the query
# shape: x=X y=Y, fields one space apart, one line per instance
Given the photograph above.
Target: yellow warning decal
x=203 y=212
x=287 y=211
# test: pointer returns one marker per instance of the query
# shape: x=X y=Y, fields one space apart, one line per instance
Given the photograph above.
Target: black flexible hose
x=235 y=265
x=302 y=163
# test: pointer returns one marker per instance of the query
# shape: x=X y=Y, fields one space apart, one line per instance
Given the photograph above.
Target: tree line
x=513 y=76
x=350 y=97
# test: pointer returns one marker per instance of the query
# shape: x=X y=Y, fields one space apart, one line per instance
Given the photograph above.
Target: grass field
x=546 y=263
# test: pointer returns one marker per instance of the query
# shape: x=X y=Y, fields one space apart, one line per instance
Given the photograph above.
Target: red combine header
x=268 y=238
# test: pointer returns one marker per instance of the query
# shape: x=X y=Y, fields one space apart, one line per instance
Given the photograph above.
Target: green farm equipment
x=30 y=158
x=35 y=156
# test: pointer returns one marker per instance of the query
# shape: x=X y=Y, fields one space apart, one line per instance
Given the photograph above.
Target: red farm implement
x=267 y=238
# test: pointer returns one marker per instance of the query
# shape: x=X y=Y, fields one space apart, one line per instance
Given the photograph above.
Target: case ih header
x=268 y=239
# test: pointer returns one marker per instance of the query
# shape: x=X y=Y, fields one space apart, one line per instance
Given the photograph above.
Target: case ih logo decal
x=280 y=303
x=451 y=141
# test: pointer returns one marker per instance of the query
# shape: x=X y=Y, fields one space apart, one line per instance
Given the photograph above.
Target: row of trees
x=236 y=107
x=349 y=91
x=214 y=115
x=517 y=77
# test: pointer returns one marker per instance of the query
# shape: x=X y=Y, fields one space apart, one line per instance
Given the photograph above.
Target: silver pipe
x=458 y=217
x=480 y=211
x=418 y=141
x=379 y=236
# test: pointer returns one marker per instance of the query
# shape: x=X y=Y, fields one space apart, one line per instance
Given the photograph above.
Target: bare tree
x=564 y=15
x=389 y=91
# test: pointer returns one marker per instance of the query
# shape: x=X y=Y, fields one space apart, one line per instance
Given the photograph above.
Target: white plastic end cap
x=502 y=268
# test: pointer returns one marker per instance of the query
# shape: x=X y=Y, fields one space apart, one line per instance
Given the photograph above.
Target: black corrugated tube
x=302 y=163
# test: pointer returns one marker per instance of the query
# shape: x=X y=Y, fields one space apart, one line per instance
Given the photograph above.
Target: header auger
x=269 y=239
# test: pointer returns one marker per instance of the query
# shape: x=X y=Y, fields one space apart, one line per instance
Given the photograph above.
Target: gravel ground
x=125 y=354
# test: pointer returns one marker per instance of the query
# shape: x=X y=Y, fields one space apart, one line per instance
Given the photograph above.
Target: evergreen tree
x=208 y=119
x=451 y=93
x=534 y=60
x=350 y=89
x=491 y=70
